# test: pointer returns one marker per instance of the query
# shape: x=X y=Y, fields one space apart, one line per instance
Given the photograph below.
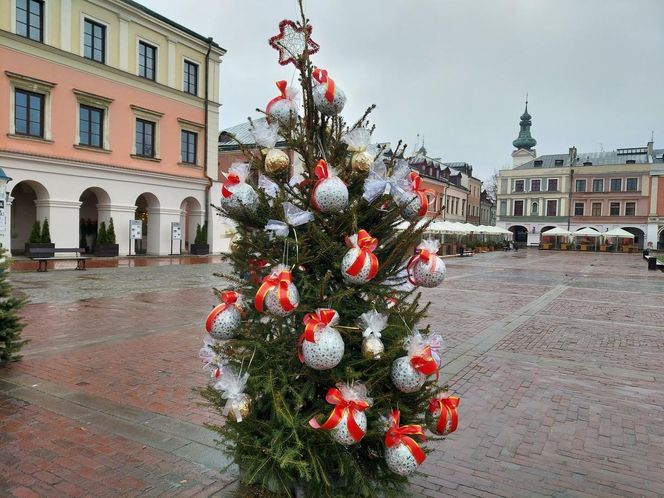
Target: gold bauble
x=372 y=347
x=242 y=406
x=276 y=160
x=361 y=161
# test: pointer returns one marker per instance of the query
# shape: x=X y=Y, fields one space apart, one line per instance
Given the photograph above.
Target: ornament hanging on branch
x=360 y=264
x=412 y=198
x=358 y=141
x=236 y=195
x=225 y=318
x=238 y=403
x=409 y=373
x=293 y=43
x=283 y=107
x=277 y=294
x=426 y=268
x=372 y=323
x=213 y=363
x=329 y=99
x=347 y=423
x=320 y=346
x=402 y=453
x=442 y=417
x=266 y=136
x=294 y=217
x=330 y=194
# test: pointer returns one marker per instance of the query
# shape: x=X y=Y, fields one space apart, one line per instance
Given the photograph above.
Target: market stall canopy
x=587 y=232
x=555 y=232
x=619 y=232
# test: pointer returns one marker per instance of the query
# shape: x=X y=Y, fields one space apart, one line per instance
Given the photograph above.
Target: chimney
x=572 y=155
x=651 y=147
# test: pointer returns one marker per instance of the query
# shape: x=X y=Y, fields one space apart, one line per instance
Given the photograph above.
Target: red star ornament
x=293 y=42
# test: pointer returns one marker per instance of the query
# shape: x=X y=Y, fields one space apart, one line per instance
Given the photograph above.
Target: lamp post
x=4 y=205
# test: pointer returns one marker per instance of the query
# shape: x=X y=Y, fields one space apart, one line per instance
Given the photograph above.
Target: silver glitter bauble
x=410 y=212
x=405 y=378
x=244 y=197
x=372 y=347
x=422 y=275
x=272 y=304
x=226 y=323
x=400 y=460
x=283 y=111
x=331 y=195
x=348 y=260
x=327 y=350
x=340 y=433
x=326 y=107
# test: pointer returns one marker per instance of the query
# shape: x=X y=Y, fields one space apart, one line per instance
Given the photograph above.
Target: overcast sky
x=457 y=71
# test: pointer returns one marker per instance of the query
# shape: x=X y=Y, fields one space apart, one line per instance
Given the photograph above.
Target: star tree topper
x=293 y=42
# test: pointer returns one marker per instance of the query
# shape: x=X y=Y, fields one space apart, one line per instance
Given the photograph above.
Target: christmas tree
x=10 y=324
x=314 y=352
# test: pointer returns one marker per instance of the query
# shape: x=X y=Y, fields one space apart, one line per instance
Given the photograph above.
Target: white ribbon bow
x=373 y=323
x=294 y=218
x=378 y=183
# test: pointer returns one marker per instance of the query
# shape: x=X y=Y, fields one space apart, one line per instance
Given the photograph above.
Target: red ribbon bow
x=447 y=407
x=342 y=407
x=279 y=280
x=228 y=298
x=416 y=183
x=320 y=75
x=367 y=244
x=232 y=179
x=312 y=321
x=425 y=363
x=424 y=255
x=401 y=435
x=281 y=85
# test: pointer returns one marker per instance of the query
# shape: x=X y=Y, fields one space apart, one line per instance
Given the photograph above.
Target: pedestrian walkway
x=26 y=264
x=558 y=359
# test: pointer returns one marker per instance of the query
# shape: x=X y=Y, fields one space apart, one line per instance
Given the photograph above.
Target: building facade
x=655 y=233
x=487 y=210
x=112 y=111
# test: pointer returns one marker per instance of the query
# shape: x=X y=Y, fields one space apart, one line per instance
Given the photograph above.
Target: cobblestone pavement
x=558 y=359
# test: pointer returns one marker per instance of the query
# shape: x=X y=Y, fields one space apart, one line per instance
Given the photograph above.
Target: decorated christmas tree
x=10 y=323
x=317 y=355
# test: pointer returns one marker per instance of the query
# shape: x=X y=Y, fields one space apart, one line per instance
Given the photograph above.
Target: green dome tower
x=525 y=139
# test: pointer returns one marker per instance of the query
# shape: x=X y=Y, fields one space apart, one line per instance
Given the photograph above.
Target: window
x=616 y=184
x=538 y=163
x=189 y=143
x=597 y=209
x=578 y=209
x=552 y=185
x=190 y=78
x=552 y=207
x=503 y=208
x=632 y=184
x=535 y=185
x=29 y=19
x=598 y=185
x=630 y=208
x=94 y=41
x=518 y=208
x=29 y=113
x=144 y=138
x=518 y=185
x=147 y=60
x=534 y=209
x=614 y=209
x=91 y=126
x=559 y=162
x=580 y=185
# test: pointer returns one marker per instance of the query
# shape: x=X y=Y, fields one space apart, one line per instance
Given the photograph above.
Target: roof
x=242 y=134
x=180 y=27
x=620 y=156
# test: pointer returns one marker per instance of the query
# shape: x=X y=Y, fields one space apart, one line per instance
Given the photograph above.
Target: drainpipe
x=205 y=150
x=569 y=208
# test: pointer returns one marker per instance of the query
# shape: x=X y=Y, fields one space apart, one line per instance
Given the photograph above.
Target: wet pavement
x=558 y=359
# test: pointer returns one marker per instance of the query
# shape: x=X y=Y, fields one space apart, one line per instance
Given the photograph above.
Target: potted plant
x=200 y=245
x=105 y=247
x=40 y=237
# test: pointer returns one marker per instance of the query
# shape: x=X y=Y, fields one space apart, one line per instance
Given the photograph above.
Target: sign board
x=135 y=229
x=176 y=231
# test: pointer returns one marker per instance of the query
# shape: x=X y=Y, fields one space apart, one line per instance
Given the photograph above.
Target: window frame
x=636 y=187
x=633 y=204
x=153 y=125
x=611 y=206
x=28 y=25
x=143 y=114
x=514 y=205
x=592 y=209
x=186 y=74
x=548 y=201
x=576 y=185
x=523 y=185
x=601 y=180
x=582 y=205
x=95 y=22
x=548 y=184
x=155 y=52
x=42 y=104
x=611 y=181
x=539 y=184
x=26 y=83
x=183 y=159
x=91 y=109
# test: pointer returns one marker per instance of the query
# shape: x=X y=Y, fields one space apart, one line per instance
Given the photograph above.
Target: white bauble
x=283 y=111
x=400 y=460
x=226 y=323
x=331 y=195
x=410 y=211
x=326 y=107
x=272 y=304
x=244 y=197
x=422 y=275
x=327 y=350
x=405 y=378
x=340 y=433
x=348 y=260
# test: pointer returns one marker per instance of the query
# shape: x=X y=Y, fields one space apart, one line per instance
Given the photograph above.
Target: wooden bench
x=43 y=260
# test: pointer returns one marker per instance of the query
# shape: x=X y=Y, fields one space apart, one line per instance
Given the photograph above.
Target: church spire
x=525 y=140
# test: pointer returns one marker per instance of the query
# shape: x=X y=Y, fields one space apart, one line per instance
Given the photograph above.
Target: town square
x=314 y=249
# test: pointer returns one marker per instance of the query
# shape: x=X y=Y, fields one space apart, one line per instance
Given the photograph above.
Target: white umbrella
x=588 y=232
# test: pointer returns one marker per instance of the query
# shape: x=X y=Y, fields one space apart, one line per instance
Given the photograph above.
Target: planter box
x=106 y=250
x=40 y=245
x=199 y=249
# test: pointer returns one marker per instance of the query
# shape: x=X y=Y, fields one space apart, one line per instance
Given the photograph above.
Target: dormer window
x=559 y=162
x=538 y=163
x=588 y=163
